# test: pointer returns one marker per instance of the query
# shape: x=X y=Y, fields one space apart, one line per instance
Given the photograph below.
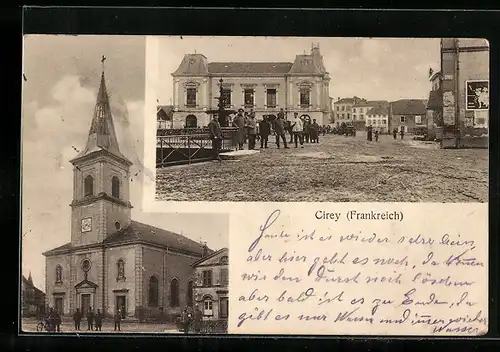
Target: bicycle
x=43 y=326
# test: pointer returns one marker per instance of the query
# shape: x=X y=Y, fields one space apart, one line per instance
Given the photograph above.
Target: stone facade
x=212 y=296
x=269 y=86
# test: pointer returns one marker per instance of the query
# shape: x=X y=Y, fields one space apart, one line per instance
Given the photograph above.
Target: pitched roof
x=379 y=110
x=213 y=254
x=353 y=100
x=165 y=112
x=102 y=135
x=249 y=67
x=137 y=231
x=306 y=64
x=408 y=107
x=435 y=100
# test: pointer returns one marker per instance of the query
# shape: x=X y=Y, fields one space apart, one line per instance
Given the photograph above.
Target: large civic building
x=266 y=87
x=112 y=262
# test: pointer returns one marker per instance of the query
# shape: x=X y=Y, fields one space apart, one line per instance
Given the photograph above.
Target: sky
x=62 y=78
x=375 y=69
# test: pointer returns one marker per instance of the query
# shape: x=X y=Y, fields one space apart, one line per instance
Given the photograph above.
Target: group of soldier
x=249 y=129
x=190 y=318
x=94 y=320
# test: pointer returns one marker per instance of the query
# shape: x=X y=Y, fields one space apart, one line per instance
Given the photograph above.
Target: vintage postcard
x=348 y=177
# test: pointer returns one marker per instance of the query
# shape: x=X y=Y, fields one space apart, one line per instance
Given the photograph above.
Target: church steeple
x=102 y=135
x=30 y=279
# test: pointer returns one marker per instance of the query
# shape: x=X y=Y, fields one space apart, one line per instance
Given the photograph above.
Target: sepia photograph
x=92 y=260
x=291 y=119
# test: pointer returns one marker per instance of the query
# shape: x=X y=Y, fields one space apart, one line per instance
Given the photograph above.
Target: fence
x=187 y=145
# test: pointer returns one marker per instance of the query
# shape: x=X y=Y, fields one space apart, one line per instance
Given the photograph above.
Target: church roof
x=146 y=233
x=210 y=256
x=102 y=134
x=143 y=233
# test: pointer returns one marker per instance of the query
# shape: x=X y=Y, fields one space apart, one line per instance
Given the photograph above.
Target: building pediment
x=221 y=257
x=86 y=284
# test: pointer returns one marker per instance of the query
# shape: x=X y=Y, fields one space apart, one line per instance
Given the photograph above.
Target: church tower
x=101 y=204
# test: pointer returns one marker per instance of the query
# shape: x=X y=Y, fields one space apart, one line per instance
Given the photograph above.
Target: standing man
x=186 y=319
x=197 y=319
x=118 y=319
x=315 y=129
x=98 y=320
x=376 y=135
x=216 y=136
x=90 y=319
x=252 y=130
x=239 y=122
x=264 y=131
x=297 y=128
x=402 y=132
x=394 y=133
x=279 y=128
x=57 y=320
x=77 y=318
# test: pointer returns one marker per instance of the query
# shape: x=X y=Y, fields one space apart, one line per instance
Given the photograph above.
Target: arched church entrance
x=191 y=121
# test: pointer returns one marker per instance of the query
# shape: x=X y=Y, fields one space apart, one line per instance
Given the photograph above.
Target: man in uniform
x=90 y=319
x=216 y=136
x=264 y=130
x=77 y=318
x=98 y=320
x=279 y=128
x=239 y=122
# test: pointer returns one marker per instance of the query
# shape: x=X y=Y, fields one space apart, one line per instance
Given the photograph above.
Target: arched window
x=120 y=266
x=59 y=274
x=189 y=295
x=174 y=293
x=115 y=187
x=89 y=186
x=153 y=291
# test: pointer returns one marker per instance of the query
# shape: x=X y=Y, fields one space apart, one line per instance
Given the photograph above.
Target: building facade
x=465 y=90
x=343 y=109
x=266 y=87
x=435 y=107
x=378 y=118
x=112 y=262
x=407 y=115
x=32 y=298
x=211 y=285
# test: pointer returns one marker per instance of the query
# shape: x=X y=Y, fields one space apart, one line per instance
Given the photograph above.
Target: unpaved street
x=339 y=169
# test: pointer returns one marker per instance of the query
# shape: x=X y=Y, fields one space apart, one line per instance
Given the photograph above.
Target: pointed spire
x=102 y=135
x=30 y=279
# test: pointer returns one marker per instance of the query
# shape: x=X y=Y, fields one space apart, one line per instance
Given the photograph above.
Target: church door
x=58 y=303
x=120 y=304
x=85 y=303
x=191 y=121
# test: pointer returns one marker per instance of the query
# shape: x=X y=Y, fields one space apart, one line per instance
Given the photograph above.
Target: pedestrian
x=51 y=320
x=197 y=319
x=394 y=133
x=98 y=320
x=279 y=128
x=264 y=131
x=77 y=318
x=315 y=130
x=402 y=132
x=90 y=319
x=252 y=130
x=216 y=137
x=376 y=135
x=186 y=319
x=298 y=128
x=306 y=128
x=239 y=122
x=57 y=321
x=369 y=133
x=118 y=319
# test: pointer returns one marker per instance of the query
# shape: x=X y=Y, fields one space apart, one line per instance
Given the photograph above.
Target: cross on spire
x=103 y=58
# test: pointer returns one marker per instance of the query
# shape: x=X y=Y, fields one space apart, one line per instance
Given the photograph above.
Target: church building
x=113 y=262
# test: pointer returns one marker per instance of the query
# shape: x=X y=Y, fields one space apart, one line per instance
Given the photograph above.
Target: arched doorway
x=191 y=121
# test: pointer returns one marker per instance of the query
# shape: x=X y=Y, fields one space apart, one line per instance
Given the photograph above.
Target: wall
x=200 y=292
x=377 y=121
x=152 y=264
x=95 y=275
x=409 y=122
x=127 y=286
x=50 y=280
x=179 y=266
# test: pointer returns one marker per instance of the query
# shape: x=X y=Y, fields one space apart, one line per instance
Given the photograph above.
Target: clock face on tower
x=86 y=224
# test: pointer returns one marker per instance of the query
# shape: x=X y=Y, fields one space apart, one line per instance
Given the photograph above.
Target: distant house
x=407 y=115
x=211 y=285
x=164 y=116
x=378 y=118
x=32 y=298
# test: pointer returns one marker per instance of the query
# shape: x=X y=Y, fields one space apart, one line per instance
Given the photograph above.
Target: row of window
x=120 y=267
x=249 y=97
x=154 y=292
x=376 y=122
x=208 y=278
x=89 y=186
